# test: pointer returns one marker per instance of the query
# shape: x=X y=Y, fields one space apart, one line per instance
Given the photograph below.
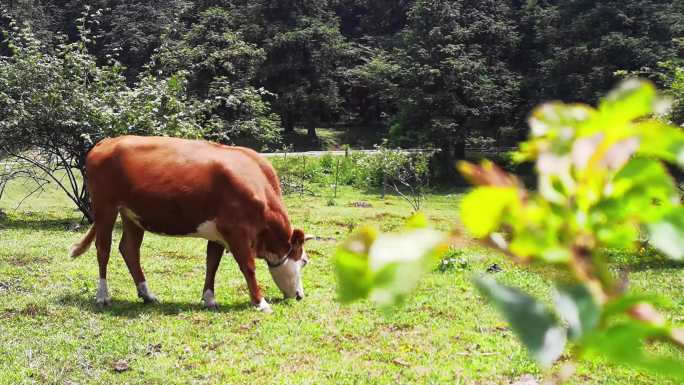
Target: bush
x=361 y=170
x=56 y=105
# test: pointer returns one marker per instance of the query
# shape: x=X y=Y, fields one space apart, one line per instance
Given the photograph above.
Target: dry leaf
x=400 y=362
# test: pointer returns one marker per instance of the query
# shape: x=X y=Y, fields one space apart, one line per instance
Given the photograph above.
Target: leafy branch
x=602 y=181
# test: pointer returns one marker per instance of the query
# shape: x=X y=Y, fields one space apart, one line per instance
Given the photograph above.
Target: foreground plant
x=602 y=183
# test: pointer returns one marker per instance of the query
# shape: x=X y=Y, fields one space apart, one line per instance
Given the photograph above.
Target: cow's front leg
x=245 y=255
x=214 y=255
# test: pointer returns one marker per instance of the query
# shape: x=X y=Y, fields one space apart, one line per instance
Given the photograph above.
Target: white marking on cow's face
x=263 y=306
x=288 y=277
x=209 y=231
x=209 y=299
x=102 y=297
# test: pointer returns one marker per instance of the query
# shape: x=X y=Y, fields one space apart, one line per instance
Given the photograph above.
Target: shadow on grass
x=650 y=263
x=74 y=225
x=37 y=223
x=133 y=309
x=646 y=259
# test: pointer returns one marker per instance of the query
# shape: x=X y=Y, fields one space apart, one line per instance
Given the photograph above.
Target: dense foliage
x=387 y=170
x=57 y=104
x=420 y=72
x=602 y=182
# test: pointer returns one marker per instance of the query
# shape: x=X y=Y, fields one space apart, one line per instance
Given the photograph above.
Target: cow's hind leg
x=130 y=250
x=245 y=255
x=214 y=254
x=104 y=222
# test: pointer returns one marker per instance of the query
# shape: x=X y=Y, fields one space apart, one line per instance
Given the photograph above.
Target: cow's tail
x=80 y=247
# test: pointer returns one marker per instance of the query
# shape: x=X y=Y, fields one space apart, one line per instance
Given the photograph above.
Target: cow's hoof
x=148 y=298
x=145 y=293
x=209 y=300
x=103 y=302
x=264 y=307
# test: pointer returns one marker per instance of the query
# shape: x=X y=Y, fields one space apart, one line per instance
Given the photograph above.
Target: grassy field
x=51 y=332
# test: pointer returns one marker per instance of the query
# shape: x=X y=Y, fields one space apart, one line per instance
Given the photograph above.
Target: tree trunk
x=311 y=131
x=288 y=122
x=460 y=150
x=448 y=158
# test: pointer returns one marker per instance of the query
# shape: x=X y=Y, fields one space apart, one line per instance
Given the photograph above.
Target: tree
x=373 y=23
x=371 y=89
x=576 y=47
x=132 y=30
x=222 y=68
x=57 y=105
x=455 y=73
x=370 y=86
x=305 y=57
x=428 y=72
x=43 y=17
x=127 y=30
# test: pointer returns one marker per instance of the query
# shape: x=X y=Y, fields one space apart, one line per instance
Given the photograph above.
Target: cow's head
x=287 y=273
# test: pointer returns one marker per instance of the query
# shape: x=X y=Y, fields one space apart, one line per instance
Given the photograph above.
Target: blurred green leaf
x=622 y=304
x=632 y=99
x=619 y=235
x=601 y=181
x=643 y=190
x=397 y=262
x=386 y=267
x=662 y=141
x=530 y=320
x=577 y=307
x=355 y=278
x=417 y=221
x=647 y=175
x=409 y=246
x=482 y=209
x=667 y=235
x=623 y=344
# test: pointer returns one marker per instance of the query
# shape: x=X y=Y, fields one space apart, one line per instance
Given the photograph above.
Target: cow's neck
x=276 y=240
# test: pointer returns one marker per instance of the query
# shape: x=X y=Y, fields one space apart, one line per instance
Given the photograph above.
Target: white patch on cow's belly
x=206 y=230
x=128 y=213
x=209 y=231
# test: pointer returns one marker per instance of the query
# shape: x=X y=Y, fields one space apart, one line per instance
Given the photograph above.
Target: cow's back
x=172 y=186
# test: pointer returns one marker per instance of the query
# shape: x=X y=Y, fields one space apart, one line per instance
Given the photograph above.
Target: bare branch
x=49 y=172
x=38 y=190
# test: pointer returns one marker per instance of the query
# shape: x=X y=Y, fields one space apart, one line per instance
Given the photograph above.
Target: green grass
x=51 y=332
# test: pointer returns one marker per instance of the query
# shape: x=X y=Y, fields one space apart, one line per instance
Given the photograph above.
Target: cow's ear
x=297 y=238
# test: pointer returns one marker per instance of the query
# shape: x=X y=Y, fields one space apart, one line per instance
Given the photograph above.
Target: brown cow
x=228 y=195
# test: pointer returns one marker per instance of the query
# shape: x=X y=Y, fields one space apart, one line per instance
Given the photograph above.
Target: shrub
x=366 y=171
x=55 y=105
